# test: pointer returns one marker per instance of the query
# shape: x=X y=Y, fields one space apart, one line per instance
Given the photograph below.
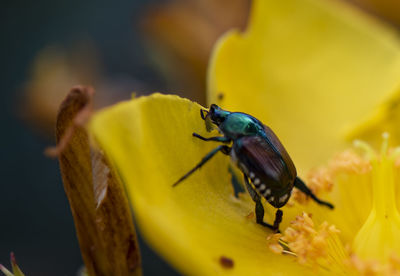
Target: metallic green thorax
x=240 y=124
x=235 y=124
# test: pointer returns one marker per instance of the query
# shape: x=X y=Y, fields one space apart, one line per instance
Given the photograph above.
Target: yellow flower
x=363 y=233
x=312 y=70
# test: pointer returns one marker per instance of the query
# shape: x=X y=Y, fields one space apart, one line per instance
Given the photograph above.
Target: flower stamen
x=378 y=238
x=311 y=245
x=363 y=188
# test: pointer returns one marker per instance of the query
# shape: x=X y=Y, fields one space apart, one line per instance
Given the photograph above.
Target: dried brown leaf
x=98 y=203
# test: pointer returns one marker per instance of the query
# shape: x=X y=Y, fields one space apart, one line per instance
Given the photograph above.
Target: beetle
x=267 y=168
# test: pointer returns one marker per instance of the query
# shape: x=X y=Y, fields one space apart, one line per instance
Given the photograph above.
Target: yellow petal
x=310 y=69
x=198 y=226
x=379 y=236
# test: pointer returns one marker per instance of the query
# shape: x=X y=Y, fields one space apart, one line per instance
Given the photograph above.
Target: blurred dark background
x=36 y=221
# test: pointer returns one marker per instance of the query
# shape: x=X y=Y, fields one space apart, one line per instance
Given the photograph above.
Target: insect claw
x=278 y=220
x=327 y=204
x=299 y=184
x=202 y=111
x=176 y=183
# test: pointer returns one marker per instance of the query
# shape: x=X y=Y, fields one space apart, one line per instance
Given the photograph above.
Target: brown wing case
x=281 y=149
x=267 y=159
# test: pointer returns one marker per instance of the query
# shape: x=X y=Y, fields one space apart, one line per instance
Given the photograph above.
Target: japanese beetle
x=259 y=154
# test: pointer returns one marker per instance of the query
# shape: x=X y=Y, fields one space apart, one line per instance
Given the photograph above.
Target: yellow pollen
x=364 y=186
x=379 y=237
x=321 y=180
x=350 y=162
x=373 y=267
x=309 y=244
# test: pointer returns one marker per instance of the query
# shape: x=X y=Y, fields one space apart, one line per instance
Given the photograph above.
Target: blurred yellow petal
x=310 y=69
x=199 y=226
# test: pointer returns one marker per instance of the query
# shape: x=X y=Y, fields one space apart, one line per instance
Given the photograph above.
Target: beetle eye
x=212 y=108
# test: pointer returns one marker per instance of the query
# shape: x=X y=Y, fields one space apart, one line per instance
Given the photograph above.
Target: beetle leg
x=259 y=209
x=236 y=183
x=222 y=148
x=278 y=220
x=299 y=184
x=256 y=198
x=221 y=139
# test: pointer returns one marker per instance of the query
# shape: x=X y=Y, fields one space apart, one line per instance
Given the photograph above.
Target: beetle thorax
x=238 y=125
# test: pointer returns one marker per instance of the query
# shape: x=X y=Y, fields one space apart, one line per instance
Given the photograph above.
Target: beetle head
x=216 y=114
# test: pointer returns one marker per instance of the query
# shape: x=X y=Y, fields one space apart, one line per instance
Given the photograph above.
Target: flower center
x=364 y=189
x=379 y=237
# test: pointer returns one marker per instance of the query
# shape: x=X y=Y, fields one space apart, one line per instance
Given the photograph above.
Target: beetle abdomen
x=269 y=172
x=276 y=197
